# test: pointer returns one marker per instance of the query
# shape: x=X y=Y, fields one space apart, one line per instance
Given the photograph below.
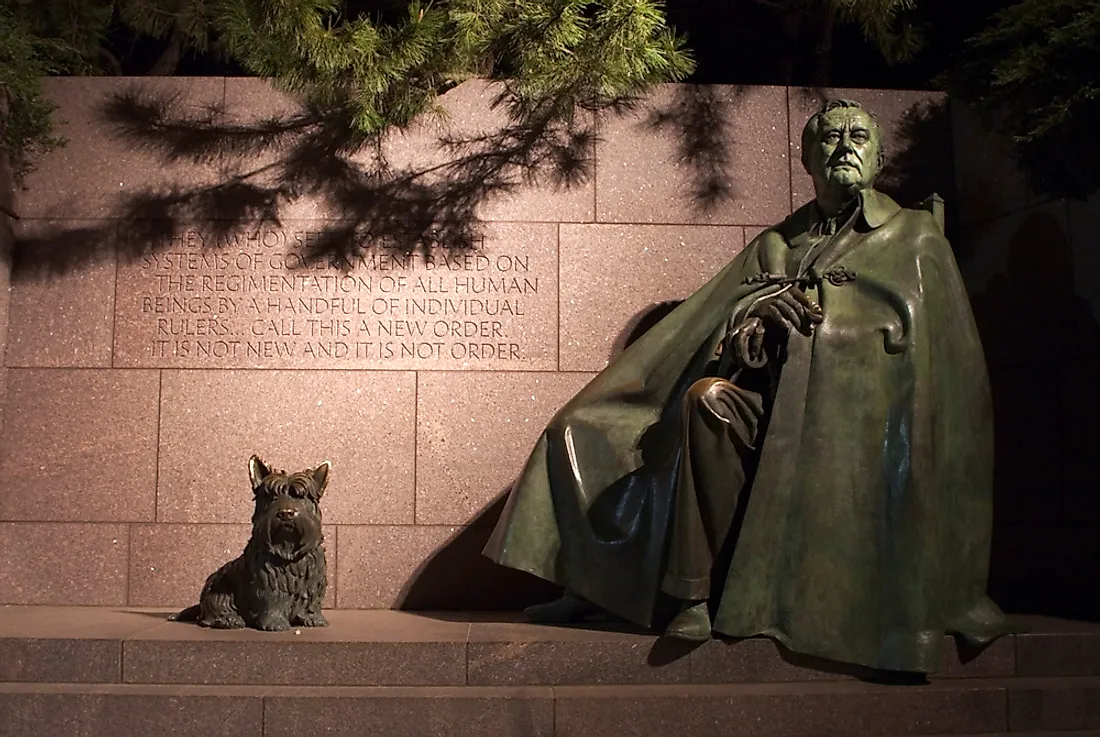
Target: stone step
x=390 y=648
x=973 y=707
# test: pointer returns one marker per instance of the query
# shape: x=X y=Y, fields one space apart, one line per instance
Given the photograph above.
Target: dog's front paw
x=272 y=623
x=223 y=623
x=312 y=620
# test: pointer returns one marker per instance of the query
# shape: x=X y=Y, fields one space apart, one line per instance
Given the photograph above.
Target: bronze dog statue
x=279 y=580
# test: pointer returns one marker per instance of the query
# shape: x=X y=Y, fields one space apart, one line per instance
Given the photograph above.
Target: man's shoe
x=569 y=608
x=693 y=624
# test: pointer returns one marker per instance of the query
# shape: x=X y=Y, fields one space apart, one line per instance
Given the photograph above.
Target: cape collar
x=875 y=208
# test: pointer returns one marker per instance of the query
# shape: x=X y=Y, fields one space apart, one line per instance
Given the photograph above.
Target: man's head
x=842 y=149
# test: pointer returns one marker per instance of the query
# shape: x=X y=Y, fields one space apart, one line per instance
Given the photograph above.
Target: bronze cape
x=863 y=535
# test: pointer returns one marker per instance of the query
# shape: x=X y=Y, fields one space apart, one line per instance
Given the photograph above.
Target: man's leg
x=720 y=422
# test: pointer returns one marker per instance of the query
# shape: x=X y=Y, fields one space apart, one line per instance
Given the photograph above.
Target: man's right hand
x=789 y=310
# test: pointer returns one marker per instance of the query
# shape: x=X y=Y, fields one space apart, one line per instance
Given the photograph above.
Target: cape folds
x=866 y=529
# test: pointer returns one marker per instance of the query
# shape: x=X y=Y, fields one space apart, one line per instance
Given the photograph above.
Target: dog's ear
x=257 y=471
x=320 y=478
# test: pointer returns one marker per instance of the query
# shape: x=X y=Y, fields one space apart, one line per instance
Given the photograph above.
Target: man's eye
x=859 y=137
x=832 y=137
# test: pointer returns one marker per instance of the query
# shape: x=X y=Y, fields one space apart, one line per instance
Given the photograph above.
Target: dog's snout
x=287 y=514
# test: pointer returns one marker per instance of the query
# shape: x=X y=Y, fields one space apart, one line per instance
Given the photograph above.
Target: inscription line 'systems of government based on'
x=254 y=296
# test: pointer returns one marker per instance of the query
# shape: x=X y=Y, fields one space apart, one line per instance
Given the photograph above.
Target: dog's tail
x=190 y=614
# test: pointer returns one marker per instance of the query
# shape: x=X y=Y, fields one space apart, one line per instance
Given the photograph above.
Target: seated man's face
x=846 y=155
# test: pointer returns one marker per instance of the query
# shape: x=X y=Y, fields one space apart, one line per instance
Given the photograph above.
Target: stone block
x=407 y=712
x=1059 y=648
x=63 y=563
x=1054 y=704
x=457 y=575
x=998 y=660
x=7 y=245
x=759 y=660
x=755 y=660
x=65 y=644
x=213 y=421
x=330 y=295
x=502 y=654
x=475 y=160
x=470 y=162
x=474 y=433
x=616 y=280
x=285 y=165
x=91 y=710
x=356 y=649
x=59 y=660
x=379 y=565
x=118 y=163
x=779 y=710
x=48 y=622
x=705 y=154
x=169 y=563
x=62 y=294
x=79 y=445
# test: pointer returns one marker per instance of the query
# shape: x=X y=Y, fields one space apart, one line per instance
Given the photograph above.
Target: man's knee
x=717 y=400
x=707 y=387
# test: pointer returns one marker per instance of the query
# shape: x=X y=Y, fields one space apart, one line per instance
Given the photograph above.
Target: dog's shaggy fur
x=278 y=582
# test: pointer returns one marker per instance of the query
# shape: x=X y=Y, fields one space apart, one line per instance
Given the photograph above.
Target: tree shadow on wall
x=270 y=164
x=920 y=158
x=697 y=121
x=368 y=197
x=1042 y=345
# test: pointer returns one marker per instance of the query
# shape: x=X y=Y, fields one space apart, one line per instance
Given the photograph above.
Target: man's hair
x=812 y=131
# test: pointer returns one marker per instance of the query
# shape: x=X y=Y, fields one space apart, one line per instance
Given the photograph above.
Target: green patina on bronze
x=844 y=489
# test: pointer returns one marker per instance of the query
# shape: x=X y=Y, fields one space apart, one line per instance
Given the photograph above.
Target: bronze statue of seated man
x=801 y=450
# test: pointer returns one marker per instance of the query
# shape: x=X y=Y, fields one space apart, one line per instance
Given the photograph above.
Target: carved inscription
x=251 y=297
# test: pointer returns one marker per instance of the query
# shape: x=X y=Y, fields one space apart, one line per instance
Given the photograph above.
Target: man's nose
x=287 y=514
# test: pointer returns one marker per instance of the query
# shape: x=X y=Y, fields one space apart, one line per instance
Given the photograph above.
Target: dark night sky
x=730 y=41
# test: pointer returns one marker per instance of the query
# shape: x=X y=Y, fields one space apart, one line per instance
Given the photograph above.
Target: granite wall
x=205 y=272
x=1032 y=265
x=7 y=241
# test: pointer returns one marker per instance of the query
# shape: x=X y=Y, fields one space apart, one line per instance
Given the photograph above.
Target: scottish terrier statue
x=279 y=580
